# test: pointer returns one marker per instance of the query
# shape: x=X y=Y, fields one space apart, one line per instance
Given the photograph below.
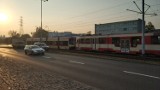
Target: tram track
x=113 y=56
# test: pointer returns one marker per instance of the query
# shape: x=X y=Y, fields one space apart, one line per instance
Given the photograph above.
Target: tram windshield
x=155 y=39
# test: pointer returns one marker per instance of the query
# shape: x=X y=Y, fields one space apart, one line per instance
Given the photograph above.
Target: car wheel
x=26 y=52
x=31 y=53
x=43 y=53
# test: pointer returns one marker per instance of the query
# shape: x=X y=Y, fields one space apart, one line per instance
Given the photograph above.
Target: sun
x=3 y=17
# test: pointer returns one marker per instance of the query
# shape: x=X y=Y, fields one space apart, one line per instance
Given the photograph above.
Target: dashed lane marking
x=140 y=74
x=71 y=61
x=46 y=57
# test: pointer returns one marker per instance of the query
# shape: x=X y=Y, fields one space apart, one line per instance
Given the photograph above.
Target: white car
x=33 y=49
x=42 y=45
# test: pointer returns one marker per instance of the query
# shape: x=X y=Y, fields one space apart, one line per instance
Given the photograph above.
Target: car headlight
x=43 y=50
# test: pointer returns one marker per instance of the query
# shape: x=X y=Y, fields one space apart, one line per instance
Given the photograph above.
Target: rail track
x=147 y=59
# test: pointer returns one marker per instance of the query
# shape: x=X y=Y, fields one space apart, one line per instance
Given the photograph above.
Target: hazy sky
x=77 y=16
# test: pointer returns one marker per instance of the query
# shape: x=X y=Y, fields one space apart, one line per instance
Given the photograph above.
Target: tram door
x=93 y=44
x=125 y=45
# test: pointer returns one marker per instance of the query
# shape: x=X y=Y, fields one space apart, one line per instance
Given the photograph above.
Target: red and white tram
x=120 y=43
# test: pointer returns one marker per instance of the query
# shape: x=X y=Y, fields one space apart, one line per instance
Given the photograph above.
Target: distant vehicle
x=42 y=45
x=33 y=49
x=18 y=43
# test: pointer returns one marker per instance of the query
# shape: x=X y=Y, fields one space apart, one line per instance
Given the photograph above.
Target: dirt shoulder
x=16 y=75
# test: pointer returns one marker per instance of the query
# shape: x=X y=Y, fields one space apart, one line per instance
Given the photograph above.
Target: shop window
x=124 y=29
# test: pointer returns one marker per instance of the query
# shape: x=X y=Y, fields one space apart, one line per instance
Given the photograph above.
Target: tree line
x=15 y=35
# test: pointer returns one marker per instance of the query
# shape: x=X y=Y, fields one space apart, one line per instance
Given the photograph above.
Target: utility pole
x=21 y=26
x=143 y=12
x=41 y=21
x=143 y=28
x=41 y=24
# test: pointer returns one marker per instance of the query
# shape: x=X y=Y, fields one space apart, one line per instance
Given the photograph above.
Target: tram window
x=135 y=41
x=71 y=41
x=65 y=43
x=159 y=39
x=82 y=41
x=116 y=42
x=87 y=41
x=93 y=40
x=155 y=39
x=102 y=40
x=97 y=40
x=49 y=43
x=54 y=43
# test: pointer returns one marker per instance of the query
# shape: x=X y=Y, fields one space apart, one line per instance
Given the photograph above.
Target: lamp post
x=41 y=21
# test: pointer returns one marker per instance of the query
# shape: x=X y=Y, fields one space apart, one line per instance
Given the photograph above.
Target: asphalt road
x=104 y=74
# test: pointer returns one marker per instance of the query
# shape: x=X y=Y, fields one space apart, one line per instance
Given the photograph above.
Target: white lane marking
x=141 y=74
x=71 y=61
x=46 y=57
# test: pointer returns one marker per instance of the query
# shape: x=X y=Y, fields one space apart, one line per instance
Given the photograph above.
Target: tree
x=25 y=36
x=13 y=34
x=150 y=27
x=40 y=32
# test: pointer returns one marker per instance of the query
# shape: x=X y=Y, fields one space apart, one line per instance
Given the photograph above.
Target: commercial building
x=123 y=27
x=55 y=34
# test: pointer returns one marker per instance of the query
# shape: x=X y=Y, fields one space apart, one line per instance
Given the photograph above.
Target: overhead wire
x=92 y=21
x=84 y=15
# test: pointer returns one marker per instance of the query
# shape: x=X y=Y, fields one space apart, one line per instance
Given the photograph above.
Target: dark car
x=33 y=49
x=42 y=45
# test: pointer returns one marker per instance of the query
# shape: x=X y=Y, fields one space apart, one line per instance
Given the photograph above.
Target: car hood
x=37 y=49
x=45 y=46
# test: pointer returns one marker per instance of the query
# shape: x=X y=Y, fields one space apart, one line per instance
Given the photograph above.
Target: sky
x=77 y=16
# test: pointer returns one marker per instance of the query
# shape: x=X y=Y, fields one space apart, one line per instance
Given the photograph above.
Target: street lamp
x=41 y=21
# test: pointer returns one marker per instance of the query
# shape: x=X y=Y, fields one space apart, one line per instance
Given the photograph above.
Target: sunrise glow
x=3 y=17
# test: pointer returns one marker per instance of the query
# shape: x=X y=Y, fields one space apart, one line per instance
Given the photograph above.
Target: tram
x=121 y=43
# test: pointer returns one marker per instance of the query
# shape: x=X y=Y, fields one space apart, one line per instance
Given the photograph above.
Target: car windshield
x=35 y=47
x=42 y=44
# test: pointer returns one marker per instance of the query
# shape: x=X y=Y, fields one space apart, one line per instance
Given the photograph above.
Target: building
x=61 y=34
x=123 y=27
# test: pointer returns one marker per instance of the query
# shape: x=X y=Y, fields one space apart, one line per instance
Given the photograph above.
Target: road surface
x=104 y=74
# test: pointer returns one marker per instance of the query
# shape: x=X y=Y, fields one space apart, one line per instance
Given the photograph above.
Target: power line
x=98 y=20
x=155 y=5
x=100 y=10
